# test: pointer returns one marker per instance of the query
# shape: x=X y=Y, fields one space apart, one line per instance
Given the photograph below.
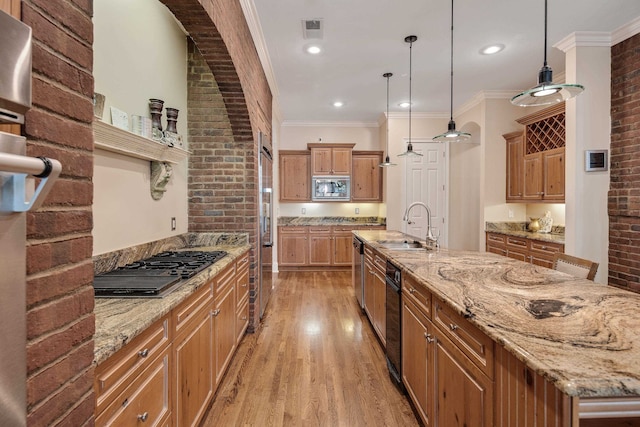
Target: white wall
x=139 y=53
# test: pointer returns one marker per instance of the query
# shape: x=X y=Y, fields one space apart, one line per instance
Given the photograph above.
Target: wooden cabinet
x=537 y=252
x=242 y=296
x=295 y=176
x=320 y=246
x=342 y=246
x=137 y=380
x=536 y=158
x=194 y=356
x=224 y=313
x=330 y=159
x=366 y=176
x=515 y=165
x=293 y=246
x=375 y=291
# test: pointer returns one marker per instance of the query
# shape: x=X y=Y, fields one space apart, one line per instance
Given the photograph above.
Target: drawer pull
x=244 y=285
x=411 y=290
x=143 y=417
x=428 y=337
x=453 y=327
x=143 y=353
x=243 y=318
x=216 y=312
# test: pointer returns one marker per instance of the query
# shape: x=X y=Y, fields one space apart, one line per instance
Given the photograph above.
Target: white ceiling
x=365 y=38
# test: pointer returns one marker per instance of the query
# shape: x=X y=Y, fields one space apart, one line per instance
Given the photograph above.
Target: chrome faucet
x=430 y=240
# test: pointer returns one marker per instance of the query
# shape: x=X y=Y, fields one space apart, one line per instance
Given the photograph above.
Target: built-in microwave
x=325 y=188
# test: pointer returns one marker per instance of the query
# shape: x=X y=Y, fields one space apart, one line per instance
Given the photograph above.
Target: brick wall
x=60 y=321
x=229 y=103
x=624 y=193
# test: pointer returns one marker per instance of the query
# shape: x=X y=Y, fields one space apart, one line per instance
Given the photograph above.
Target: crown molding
x=307 y=123
x=483 y=95
x=626 y=31
x=418 y=115
x=584 y=39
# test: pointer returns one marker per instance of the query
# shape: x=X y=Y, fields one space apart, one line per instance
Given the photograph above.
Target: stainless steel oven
x=327 y=188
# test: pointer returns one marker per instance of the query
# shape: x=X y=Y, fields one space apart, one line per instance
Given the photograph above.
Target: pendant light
x=452 y=134
x=546 y=92
x=387 y=161
x=410 y=152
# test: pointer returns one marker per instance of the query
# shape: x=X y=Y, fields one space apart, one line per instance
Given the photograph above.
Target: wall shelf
x=111 y=138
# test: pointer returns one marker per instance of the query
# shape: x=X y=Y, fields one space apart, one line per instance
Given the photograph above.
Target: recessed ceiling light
x=492 y=49
x=404 y=104
x=338 y=104
x=314 y=50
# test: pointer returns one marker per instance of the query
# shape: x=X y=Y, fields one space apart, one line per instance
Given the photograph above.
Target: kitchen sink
x=404 y=245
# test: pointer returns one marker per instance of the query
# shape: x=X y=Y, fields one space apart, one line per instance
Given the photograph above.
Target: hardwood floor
x=314 y=361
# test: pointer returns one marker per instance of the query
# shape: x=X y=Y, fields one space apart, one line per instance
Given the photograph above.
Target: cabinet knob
x=453 y=326
x=243 y=318
x=143 y=353
x=244 y=285
x=216 y=312
x=143 y=417
x=428 y=337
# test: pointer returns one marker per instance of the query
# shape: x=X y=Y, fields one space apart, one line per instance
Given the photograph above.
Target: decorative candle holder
x=155 y=107
x=172 y=120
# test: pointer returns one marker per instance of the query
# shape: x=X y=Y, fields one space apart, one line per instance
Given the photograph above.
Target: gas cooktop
x=154 y=277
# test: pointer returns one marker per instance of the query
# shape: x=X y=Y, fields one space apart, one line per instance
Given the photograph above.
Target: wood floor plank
x=314 y=361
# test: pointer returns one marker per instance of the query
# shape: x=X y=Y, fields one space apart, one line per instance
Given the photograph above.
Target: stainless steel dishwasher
x=393 y=324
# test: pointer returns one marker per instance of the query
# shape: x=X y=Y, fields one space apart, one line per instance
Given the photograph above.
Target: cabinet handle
x=244 y=285
x=453 y=327
x=243 y=318
x=143 y=417
x=216 y=312
x=143 y=353
x=541 y=193
x=428 y=337
x=544 y=248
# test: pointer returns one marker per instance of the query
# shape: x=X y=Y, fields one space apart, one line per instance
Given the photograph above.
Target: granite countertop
x=119 y=320
x=330 y=220
x=519 y=229
x=582 y=336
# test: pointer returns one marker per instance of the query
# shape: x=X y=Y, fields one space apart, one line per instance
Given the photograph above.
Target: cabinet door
x=225 y=330
x=366 y=177
x=554 y=174
x=340 y=161
x=515 y=152
x=464 y=394
x=369 y=302
x=532 y=186
x=319 y=248
x=295 y=176
x=194 y=369
x=342 y=249
x=292 y=246
x=379 y=300
x=417 y=359
x=321 y=161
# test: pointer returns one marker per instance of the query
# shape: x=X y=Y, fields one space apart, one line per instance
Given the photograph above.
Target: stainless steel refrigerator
x=18 y=194
x=265 y=194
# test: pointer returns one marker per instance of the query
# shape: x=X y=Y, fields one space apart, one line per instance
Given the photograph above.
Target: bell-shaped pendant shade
x=387 y=162
x=546 y=92
x=410 y=152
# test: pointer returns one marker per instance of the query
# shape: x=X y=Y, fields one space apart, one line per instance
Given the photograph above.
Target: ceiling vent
x=312 y=28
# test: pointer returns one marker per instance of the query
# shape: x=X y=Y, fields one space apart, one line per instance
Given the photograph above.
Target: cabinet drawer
x=497 y=250
x=517 y=243
x=113 y=376
x=380 y=263
x=225 y=279
x=496 y=239
x=144 y=401
x=473 y=342
x=417 y=294
x=320 y=230
x=545 y=249
x=189 y=308
x=292 y=230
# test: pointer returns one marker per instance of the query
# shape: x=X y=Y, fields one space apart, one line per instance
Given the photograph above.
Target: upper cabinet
x=295 y=176
x=366 y=176
x=536 y=158
x=330 y=159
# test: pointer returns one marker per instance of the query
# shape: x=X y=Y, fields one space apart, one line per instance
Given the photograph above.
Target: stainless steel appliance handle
x=14 y=187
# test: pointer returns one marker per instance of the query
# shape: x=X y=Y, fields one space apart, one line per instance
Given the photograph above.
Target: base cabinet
x=375 y=292
x=536 y=252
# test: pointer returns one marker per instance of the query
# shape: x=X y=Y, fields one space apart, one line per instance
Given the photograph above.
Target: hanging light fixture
x=546 y=92
x=452 y=134
x=410 y=152
x=387 y=161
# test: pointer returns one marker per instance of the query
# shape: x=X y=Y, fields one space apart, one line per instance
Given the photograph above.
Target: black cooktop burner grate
x=154 y=276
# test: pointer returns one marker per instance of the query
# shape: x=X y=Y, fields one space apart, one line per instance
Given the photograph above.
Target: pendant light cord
x=410 y=55
x=545 y=33
x=388 y=75
x=451 y=95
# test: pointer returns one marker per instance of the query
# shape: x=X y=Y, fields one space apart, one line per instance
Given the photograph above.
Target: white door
x=425 y=182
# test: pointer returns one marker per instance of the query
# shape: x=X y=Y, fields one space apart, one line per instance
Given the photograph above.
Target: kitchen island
x=581 y=337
